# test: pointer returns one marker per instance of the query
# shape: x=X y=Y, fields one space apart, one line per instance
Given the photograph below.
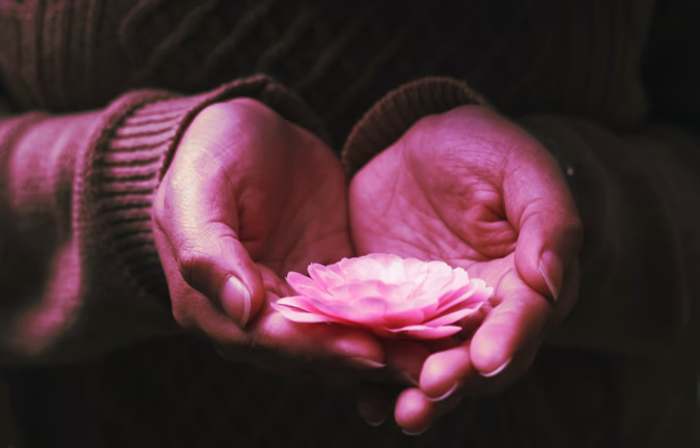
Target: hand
x=248 y=197
x=473 y=189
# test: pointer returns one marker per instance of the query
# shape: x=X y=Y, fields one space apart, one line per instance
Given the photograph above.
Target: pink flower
x=387 y=294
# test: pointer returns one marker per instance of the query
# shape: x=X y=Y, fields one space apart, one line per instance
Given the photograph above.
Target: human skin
x=473 y=189
x=249 y=197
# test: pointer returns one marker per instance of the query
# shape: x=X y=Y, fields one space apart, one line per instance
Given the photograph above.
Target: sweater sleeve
x=637 y=194
x=80 y=272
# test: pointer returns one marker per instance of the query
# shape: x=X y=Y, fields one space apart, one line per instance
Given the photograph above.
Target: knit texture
x=102 y=90
x=605 y=187
x=394 y=114
x=87 y=199
x=525 y=57
x=130 y=155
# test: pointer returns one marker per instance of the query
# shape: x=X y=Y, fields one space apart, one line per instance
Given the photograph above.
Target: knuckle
x=192 y=263
x=217 y=112
x=240 y=113
x=424 y=125
x=277 y=334
x=182 y=314
x=158 y=212
x=249 y=105
x=160 y=199
x=250 y=109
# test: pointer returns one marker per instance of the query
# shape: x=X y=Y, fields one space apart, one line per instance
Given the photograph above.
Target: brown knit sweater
x=98 y=94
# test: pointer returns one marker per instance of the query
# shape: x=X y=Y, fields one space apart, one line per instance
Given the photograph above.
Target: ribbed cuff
x=128 y=158
x=397 y=111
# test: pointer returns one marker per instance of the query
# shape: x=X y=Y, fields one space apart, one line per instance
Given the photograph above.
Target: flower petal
x=473 y=294
x=305 y=286
x=438 y=276
x=368 y=311
x=324 y=276
x=358 y=290
x=388 y=295
x=298 y=315
x=302 y=302
x=313 y=306
x=426 y=332
x=400 y=318
x=360 y=269
x=452 y=317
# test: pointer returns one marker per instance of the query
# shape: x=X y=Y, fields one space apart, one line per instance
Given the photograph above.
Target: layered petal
x=387 y=294
x=427 y=332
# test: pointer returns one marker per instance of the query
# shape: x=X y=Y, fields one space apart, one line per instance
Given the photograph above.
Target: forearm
x=57 y=296
x=638 y=198
x=83 y=271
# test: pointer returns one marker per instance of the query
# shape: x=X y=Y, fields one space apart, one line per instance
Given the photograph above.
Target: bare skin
x=473 y=189
x=250 y=196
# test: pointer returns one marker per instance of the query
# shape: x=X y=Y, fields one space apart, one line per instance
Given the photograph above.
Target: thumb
x=545 y=216
x=198 y=216
x=213 y=261
x=548 y=243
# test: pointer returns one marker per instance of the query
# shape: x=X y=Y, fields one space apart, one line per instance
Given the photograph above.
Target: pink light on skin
x=387 y=294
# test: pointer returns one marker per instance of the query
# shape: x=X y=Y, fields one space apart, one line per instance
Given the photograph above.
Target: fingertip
x=490 y=353
x=516 y=323
x=316 y=340
x=490 y=371
x=242 y=299
x=357 y=346
x=250 y=275
x=528 y=255
x=372 y=410
x=443 y=372
x=544 y=272
x=236 y=300
x=414 y=411
x=546 y=248
x=217 y=265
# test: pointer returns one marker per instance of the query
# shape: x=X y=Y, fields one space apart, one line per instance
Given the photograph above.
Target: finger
x=406 y=359
x=201 y=224
x=374 y=407
x=517 y=322
x=541 y=208
x=191 y=308
x=318 y=341
x=444 y=372
x=414 y=411
x=449 y=374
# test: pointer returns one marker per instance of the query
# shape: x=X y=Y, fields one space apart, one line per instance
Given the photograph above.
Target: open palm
x=248 y=197
x=472 y=189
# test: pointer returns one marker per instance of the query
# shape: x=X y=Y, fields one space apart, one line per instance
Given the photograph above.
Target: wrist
x=127 y=159
x=390 y=117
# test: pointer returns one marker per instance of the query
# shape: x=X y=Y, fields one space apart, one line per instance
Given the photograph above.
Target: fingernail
x=449 y=392
x=370 y=415
x=413 y=434
x=551 y=271
x=366 y=362
x=375 y=423
x=236 y=300
x=497 y=370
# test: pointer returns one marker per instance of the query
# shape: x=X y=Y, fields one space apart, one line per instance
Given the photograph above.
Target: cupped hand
x=473 y=189
x=248 y=197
